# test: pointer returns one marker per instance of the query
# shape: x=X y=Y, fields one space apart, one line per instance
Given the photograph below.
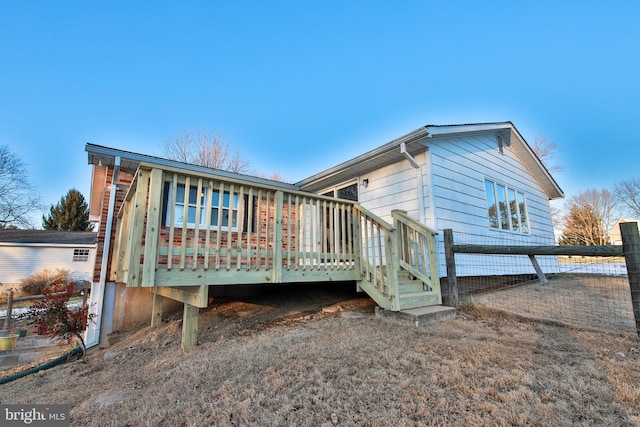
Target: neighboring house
x=24 y=252
x=615 y=237
x=178 y=229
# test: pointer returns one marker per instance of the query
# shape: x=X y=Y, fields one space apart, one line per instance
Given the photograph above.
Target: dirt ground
x=314 y=355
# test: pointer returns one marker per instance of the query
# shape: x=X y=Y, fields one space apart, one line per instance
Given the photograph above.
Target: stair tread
x=415 y=294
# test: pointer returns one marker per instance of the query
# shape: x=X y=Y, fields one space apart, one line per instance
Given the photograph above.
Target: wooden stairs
x=414 y=293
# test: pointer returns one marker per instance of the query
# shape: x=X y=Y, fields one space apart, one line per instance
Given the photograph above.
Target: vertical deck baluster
x=343 y=236
x=259 y=229
x=332 y=241
x=365 y=245
x=380 y=259
x=172 y=221
x=196 y=231
x=322 y=231
x=349 y=237
x=240 y=226
x=303 y=232
x=185 y=222
x=229 y=226
x=297 y=223
x=250 y=222
x=289 y=215
x=219 y=226
x=207 y=243
x=266 y=230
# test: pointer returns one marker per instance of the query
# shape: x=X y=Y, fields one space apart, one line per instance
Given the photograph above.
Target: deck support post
x=189 y=328
x=156 y=311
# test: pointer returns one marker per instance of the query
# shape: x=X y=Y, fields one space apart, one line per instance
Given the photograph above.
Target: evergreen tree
x=70 y=214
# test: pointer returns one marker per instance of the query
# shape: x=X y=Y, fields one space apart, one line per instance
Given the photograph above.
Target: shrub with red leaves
x=53 y=318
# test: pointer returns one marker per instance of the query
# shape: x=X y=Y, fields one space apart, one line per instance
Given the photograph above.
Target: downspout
x=92 y=337
x=419 y=178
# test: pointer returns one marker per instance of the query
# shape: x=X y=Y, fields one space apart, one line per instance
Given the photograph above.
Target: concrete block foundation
x=422 y=316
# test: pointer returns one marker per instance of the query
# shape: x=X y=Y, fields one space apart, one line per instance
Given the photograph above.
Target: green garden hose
x=49 y=364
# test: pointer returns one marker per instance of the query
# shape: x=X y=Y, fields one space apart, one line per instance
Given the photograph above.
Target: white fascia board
x=394 y=145
x=435 y=130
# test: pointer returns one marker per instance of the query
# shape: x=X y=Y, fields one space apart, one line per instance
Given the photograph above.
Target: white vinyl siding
x=459 y=166
x=392 y=187
x=17 y=262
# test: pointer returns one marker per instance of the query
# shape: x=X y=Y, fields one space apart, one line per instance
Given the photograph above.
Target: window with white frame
x=224 y=210
x=507 y=208
x=81 y=255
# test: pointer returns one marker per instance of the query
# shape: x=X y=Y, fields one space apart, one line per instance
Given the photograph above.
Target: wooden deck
x=179 y=233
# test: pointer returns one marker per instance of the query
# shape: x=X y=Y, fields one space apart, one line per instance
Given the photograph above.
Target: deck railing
x=417 y=250
x=195 y=229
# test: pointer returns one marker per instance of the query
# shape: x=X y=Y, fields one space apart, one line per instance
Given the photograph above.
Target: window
x=348 y=192
x=224 y=210
x=506 y=207
x=229 y=207
x=81 y=255
x=191 y=201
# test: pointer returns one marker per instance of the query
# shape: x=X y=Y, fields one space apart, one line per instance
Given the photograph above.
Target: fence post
x=85 y=294
x=631 y=249
x=450 y=294
x=7 y=320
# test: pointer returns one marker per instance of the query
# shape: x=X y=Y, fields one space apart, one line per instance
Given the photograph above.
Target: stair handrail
x=378 y=258
x=413 y=257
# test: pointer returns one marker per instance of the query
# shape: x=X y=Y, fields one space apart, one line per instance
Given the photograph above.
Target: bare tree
x=591 y=216
x=546 y=152
x=205 y=149
x=17 y=196
x=628 y=193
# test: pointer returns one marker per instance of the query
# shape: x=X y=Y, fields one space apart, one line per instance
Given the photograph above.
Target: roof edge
x=102 y=153
x=409 y=138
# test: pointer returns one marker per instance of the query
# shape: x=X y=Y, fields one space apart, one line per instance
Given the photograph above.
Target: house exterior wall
x=459 y=167
x=393 y=187
x=453 y=172
x=102 y=190
x=116 y=318
x=17 y=262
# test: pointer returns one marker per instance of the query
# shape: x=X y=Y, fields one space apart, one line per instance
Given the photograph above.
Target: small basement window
x=81 y=255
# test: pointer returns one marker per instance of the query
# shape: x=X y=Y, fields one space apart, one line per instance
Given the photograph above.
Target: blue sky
x=299 y=86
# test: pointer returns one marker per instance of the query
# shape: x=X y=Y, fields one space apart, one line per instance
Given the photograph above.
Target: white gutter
x=419 y=179
x=96 y=303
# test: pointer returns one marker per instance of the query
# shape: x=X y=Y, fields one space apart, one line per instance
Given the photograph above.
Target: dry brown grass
x=579 y=300
x=279 y=360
